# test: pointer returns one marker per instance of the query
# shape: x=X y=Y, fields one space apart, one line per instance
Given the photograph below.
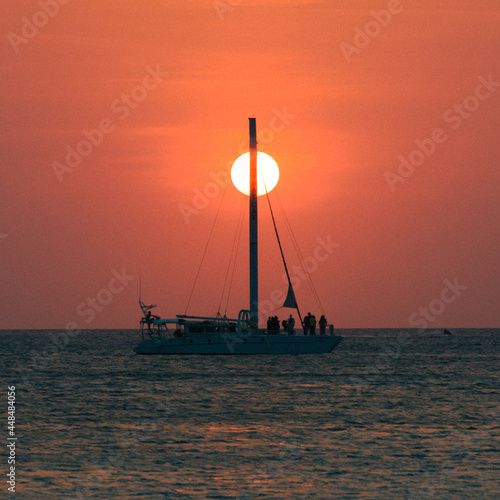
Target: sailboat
x=221 y=335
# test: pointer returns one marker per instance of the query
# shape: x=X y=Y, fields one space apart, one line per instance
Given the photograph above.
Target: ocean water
x=388 y=414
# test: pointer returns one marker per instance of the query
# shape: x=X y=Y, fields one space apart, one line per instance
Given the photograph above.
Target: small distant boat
x=448 y=332
x=220 y=335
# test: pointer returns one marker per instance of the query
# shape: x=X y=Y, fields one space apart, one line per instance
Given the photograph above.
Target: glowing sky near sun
x=120 y=121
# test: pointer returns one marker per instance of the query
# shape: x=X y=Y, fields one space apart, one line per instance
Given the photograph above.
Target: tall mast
x=254 y=275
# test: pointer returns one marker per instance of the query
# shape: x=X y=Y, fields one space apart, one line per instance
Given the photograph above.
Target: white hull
x=252 y=344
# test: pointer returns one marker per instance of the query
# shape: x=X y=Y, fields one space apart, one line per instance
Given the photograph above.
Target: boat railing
x=157 y=328
x=329 y=330
x=154 y=328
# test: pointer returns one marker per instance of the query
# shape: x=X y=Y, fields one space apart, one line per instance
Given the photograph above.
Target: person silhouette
x=307 y=321
x=322 y=325
x=312 y=325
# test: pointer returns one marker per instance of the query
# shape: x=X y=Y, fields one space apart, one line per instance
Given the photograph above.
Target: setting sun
x=267 y=173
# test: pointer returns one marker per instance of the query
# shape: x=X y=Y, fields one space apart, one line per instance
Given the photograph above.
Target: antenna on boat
x=140 y=287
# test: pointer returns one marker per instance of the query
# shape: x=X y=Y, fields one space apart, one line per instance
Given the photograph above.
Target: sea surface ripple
x=388 y=414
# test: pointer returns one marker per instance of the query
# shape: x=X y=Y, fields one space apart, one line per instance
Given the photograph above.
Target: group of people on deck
x=273 y=325
x=309 y=324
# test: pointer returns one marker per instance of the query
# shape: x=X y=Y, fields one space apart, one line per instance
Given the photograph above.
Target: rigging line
x=230 y=262
x=240 y=230
x=279 y=243
x=240 y=149
x=299 y=253
x=228 y=268
x=211 y=231
x=242 y=219
x=241 y=140
x=303 y=265
x=205 y=251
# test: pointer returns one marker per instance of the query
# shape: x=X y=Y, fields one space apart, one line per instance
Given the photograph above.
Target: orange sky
x=172 y=84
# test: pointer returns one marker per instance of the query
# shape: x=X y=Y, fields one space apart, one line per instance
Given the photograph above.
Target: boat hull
x=253 y=344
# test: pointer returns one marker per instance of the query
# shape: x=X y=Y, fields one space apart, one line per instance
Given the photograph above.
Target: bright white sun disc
x=268 y=173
